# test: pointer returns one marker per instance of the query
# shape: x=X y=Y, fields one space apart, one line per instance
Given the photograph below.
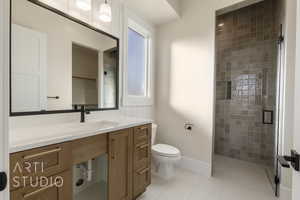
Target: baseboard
x=285 y=193
x=195 y=166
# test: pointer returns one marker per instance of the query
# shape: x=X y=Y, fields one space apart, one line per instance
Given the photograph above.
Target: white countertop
x=28 y=138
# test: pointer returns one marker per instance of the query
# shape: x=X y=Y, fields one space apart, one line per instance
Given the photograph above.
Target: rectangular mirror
x=59 y=63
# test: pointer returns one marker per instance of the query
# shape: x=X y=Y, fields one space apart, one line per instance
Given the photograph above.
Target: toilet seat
x=165 y=150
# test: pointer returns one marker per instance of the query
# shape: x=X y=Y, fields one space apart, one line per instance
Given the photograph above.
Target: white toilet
x=164 y=157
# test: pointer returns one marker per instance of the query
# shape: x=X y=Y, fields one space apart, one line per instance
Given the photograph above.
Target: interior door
x=29 y=87
x=296 y=175
x=4 y=58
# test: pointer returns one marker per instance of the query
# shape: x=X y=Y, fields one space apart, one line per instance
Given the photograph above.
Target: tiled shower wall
x=246 y=82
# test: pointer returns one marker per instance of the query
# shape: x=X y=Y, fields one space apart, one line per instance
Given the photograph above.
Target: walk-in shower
x=246 y=82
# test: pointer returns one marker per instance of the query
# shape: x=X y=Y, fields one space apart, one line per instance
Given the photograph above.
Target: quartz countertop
x=22 y=139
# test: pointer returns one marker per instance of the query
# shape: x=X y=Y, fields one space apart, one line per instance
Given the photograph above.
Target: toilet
x=164 y=157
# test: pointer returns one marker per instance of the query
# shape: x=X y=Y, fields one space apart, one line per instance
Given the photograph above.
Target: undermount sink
x=96 y=125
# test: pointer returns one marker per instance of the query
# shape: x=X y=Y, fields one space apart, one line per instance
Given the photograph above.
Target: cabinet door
x=47 y=190
x=142 y=179
x=120 y=165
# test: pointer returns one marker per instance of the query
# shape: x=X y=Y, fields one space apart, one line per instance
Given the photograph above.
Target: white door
x=29 y=87
x=296 y=175
x=4 y=47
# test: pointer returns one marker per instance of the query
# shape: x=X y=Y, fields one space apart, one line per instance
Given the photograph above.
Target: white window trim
x=131 y=21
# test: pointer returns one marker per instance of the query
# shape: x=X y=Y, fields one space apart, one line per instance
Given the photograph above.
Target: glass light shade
x=85 y=5
x=105 y=12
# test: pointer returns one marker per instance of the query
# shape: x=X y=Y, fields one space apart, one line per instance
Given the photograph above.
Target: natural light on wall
x=185 y=92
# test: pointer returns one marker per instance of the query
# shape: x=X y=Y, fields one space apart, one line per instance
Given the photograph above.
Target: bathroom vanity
x=63 y=63
x=124 y=148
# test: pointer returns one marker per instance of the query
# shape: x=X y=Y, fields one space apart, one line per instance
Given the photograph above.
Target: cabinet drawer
x=46 y=189
x=141 y=180
x=45 y=161
x=142 y=134
x=89 y=148
x=142 y=156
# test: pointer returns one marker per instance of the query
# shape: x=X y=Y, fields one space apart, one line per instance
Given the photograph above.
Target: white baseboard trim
x=285 y=193
x=195 y=166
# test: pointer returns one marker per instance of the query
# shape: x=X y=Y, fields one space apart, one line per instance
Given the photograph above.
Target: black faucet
x=83 y=111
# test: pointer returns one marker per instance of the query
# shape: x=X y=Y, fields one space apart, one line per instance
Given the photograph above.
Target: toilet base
x=164 y=168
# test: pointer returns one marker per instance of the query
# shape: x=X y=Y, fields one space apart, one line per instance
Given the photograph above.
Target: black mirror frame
x=69 y=17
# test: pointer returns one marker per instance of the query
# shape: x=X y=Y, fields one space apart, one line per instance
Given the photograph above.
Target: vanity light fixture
x=85 y=5
x=105 y=12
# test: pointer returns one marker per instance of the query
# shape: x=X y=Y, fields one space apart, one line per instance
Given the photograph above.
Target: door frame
x=4 y=90
x=296 y=175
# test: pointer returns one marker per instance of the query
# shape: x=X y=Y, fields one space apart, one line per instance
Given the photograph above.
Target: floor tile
x=232 y=180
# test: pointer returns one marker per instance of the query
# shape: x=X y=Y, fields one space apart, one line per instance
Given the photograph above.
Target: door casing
x=296 y=175
x=4 y=91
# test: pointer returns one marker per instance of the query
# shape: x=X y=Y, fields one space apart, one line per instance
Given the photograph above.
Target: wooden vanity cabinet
x=38 y=162
x=120 y=165
x=48 y=191
x=129 y=162
x=129 y=165
x=142 y=159
x=89 y=148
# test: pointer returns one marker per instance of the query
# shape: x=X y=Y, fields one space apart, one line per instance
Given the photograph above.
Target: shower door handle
x=283 y=162
x=294 y=159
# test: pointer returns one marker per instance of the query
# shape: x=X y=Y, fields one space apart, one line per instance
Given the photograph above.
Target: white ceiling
x=155 y=11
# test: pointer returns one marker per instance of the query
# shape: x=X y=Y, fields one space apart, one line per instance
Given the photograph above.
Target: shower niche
x=90 y=179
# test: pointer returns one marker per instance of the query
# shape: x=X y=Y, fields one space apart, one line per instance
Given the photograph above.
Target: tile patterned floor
x=233 y=180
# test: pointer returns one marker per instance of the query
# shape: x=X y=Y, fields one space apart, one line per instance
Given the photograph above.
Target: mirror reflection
x=61 y=64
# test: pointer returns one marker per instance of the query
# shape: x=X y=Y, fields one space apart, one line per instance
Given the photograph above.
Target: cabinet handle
x=143 y=171
x=42 y=154
x=38 y=191
x=143 y=146
x=113 y=156
x=143 y=128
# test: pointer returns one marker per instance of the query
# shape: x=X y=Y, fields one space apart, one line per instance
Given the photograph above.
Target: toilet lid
x=165 y=150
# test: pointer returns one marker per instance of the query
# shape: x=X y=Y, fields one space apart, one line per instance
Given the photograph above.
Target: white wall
x=185 y=79
x=176 y=5
x=288 y=88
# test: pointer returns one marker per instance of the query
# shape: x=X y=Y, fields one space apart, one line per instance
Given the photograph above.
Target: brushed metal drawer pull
x=143 y=146
x=38 y=191
x=42 y=154
x=143 y=128
x=143 y=171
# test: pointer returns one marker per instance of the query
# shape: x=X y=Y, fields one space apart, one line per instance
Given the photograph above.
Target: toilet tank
x=154 y=132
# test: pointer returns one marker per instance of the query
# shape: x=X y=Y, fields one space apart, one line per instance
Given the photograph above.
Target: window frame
x=146 y=31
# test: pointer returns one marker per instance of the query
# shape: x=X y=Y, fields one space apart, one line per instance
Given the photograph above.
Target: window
x=138 y=65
